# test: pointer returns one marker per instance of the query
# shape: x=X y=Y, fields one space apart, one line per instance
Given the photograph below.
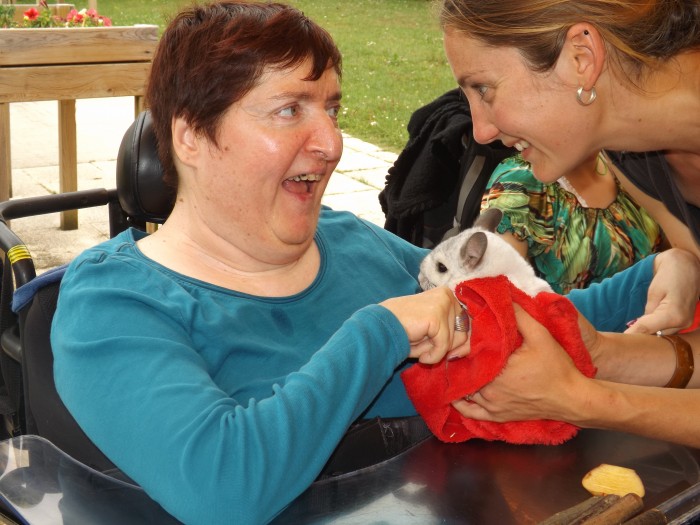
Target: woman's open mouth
x=301 y=183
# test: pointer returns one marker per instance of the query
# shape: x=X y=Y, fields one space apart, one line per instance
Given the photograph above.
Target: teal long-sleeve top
x=224 y=406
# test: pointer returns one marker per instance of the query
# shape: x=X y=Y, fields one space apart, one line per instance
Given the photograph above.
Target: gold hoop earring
x=591 y=97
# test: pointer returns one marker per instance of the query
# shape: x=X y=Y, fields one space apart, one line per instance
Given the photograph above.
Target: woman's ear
x=584 y=52
x=185 y=143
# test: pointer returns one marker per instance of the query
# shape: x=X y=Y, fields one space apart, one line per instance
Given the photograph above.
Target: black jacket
x=420 y=197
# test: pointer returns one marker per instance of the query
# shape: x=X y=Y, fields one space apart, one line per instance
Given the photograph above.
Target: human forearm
x=640 y=359
x=610 y=304
x=661 y=413
x=628 y=393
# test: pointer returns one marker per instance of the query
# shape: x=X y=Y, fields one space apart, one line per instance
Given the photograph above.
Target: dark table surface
x=476 y=482
x=480 y=482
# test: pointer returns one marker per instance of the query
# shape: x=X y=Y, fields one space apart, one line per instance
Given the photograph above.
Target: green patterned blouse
x=569 y=245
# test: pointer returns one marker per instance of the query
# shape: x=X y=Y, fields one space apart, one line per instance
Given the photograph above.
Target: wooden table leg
x=67 y=158
x=139 y=105
x=5 y=153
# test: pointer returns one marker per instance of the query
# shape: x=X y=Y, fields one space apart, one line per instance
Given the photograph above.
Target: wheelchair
x=28 y=400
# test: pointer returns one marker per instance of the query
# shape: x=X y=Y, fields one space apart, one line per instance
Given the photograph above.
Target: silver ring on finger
x=462 y=322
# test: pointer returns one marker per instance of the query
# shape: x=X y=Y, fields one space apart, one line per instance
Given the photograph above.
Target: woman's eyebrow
x=304 y=95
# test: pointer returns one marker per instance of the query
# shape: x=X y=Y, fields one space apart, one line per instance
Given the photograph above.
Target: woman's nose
x=327 y=140
x=484 y=130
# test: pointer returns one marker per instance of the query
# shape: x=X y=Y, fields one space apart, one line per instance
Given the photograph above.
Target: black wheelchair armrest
x=9 y=341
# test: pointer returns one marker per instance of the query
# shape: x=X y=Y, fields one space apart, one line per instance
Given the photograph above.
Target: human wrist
x=635 y=359
x=583 y=404
x=602 y=349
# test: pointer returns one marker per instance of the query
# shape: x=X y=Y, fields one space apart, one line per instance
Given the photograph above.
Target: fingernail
x=454 y=357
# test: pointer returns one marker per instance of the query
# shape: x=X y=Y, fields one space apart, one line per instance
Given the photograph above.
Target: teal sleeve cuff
x=610 y=304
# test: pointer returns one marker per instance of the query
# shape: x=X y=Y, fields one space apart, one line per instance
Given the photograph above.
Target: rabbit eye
x=441 y=268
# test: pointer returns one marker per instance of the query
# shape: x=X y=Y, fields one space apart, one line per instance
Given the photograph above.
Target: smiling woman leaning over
x=562 y=80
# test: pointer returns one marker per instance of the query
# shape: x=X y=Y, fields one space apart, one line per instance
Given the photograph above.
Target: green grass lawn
x=392 y=55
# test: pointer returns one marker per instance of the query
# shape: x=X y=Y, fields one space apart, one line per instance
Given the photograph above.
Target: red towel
x=494 y=336
x=696 y=321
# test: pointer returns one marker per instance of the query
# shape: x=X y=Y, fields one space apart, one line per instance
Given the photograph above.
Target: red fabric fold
x=494 y=336
x=696 y=321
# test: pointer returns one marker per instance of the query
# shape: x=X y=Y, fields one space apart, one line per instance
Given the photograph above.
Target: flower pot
x=56 y=9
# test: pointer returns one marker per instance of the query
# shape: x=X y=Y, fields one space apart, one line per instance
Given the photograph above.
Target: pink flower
x=31 y=14
x=74 y=17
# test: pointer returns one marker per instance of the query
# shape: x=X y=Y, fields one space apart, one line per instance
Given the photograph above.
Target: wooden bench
x=65 y=64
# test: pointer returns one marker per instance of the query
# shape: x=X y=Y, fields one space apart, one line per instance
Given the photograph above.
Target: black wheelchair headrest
x=142 y=193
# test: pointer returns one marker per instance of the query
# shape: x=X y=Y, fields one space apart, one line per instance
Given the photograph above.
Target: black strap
x=374 y=441
x=469 y=192
x=477 y=165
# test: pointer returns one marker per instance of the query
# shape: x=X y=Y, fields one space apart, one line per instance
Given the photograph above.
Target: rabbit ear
x=489 y=219
x=473 y=249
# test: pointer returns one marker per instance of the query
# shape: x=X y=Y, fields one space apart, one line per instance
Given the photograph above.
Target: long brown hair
x=639 y=34
x=210 y=56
